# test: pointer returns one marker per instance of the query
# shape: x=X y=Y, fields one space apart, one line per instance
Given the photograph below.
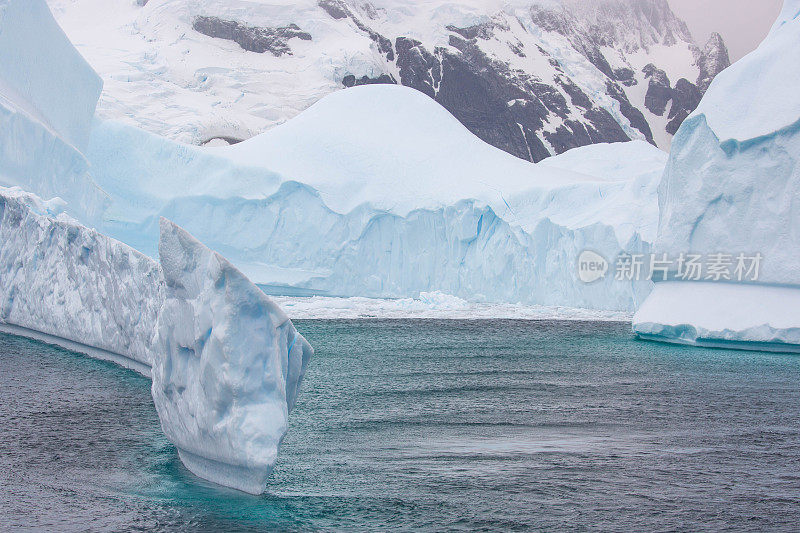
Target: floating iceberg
x=226 y=362
x=378 y=191
x=732 y=186
x=228 y=369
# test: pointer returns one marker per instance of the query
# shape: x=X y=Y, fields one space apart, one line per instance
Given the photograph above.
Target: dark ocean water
x=437 y=425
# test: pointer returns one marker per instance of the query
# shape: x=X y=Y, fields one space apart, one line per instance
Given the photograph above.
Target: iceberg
x=732 y=187
x=229 y=367
x=378 y=191
x=48 y=95
x=226 y=362
x=60 y=280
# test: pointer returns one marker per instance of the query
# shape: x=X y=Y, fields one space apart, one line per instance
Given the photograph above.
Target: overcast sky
x=742 y=23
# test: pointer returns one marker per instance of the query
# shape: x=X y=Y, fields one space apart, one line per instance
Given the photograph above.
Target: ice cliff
x=48 y=95
x=732 y=186
x=378 y=191
x=226 y=362
x=229 y=366
x=67 y=281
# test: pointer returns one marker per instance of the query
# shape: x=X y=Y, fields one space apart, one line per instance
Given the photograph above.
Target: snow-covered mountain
x=532 y=77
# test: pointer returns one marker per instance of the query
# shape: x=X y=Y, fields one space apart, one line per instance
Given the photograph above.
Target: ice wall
x=43 y=73
x=732 y=186
x=63 y=279
x=229 y=367
x=48 y=95
x=378 y=191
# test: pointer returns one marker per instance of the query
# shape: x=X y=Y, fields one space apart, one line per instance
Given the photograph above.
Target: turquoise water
x=485 y=425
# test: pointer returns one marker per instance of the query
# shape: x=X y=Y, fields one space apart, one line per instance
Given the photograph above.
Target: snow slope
x=229 y=367
x=48 y=95
x=533 y=77
x=732 y=185
x=378 y=191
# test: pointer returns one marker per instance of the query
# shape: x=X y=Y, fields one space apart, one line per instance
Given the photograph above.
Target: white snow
x=732 y=186
x=149 y=55
x=228 y=369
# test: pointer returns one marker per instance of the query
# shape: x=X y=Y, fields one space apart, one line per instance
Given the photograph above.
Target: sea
x=427 y=425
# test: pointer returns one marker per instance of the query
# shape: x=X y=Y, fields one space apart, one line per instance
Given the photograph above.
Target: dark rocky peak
x=659 y=91
x=685 y=99
x=685 y=95
x=251 y=38
x=713 y=60
x=335 y=8
x=627 y=25
x=505 y=107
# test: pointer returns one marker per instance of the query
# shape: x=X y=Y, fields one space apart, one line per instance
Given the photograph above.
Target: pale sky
x=742 y=23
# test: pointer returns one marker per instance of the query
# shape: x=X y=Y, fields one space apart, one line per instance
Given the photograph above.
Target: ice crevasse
x=225 y=361
x=732 y=186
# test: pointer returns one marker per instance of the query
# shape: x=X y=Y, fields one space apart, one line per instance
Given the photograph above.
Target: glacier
x=225 y=361
x=378 y=191
x=228 y=369
x=732 y=186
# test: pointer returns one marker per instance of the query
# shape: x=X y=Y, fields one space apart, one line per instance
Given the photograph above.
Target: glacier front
x=732 y=187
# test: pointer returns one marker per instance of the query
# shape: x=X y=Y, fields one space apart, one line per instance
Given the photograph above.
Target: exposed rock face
x=339 y=10
x=659 y=91
x=252 y=39
x=685 y=99
x=506 y=108
x=714 y=60
x=685 y=96
x=352 y=81
x=521 y=113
